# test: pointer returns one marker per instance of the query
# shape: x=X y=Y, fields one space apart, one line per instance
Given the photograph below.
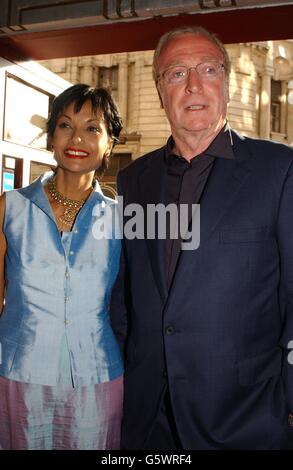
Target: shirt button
x=66 y=299
x=165 y=374
x=66 y=322
x=66 y=274
x=75 y=231
x=71 y=252
x=169 y=330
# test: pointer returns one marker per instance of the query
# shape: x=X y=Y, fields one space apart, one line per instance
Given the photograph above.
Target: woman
x=61 y=370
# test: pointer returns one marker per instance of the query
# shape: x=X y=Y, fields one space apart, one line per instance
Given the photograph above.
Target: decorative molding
x=44 y=15
x=5 y=7
x=150 y=8
x=116 y=10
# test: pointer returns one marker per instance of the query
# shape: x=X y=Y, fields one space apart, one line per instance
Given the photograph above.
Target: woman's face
x=80 y=140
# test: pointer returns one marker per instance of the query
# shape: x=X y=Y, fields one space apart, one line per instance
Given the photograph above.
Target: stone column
x=283 y=107
x=265 y=104
x=86 y=71
x=290 y=114
x=123 y=86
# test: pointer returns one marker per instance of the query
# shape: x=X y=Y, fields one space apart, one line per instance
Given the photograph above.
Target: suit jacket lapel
x=151 y=186
x=222 y=188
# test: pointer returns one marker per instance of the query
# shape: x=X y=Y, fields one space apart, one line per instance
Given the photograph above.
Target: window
x=117 y=162
x=36 y=169
x=108 y=78
x=11 y=173
x=26 y=114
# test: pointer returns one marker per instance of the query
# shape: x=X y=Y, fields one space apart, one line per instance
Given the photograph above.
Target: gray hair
x=181 y=31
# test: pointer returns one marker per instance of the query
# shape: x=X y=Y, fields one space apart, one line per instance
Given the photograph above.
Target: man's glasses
x=179 y=73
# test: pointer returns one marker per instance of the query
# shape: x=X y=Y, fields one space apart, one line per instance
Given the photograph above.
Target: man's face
x=198 y=104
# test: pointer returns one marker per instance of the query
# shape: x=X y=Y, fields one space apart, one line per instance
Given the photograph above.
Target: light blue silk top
x=58 y=286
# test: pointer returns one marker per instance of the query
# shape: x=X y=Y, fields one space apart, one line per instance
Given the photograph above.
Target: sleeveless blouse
x=59 y=287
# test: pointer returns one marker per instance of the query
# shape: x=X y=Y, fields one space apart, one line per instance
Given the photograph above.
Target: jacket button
x=169 y=330
x=165 y=374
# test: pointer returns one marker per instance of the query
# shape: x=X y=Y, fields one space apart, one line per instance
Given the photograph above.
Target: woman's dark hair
x=101 y=101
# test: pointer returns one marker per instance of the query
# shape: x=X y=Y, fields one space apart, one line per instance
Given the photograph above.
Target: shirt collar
x=220 y=147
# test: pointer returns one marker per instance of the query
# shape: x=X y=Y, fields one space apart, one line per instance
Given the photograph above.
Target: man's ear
x=227 y=92
x=160 y=98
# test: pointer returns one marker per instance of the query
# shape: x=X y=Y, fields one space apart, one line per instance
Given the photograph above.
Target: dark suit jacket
x=230 y=307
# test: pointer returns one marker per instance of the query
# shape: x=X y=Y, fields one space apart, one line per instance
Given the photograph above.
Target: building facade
x=261 y=94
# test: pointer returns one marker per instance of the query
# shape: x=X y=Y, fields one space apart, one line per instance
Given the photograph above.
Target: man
x=207 y=332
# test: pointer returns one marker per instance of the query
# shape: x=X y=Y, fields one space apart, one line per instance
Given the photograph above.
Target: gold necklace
x=72 y=206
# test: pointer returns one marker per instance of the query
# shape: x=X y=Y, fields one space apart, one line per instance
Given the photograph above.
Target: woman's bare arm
x=3 y=247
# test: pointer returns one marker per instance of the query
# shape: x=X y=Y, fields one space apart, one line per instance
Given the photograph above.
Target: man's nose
x=193 y=82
